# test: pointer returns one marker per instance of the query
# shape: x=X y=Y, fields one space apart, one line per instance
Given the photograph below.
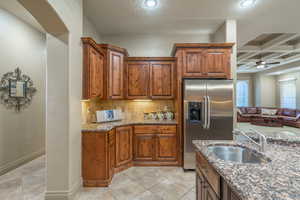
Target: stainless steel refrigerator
x=208 y=113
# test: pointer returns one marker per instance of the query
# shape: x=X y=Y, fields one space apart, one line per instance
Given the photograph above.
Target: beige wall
x=287 y=76
x=22 y=135
x=248 y=77
x=152 y=45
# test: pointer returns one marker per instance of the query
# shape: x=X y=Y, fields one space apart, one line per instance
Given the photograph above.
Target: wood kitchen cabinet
x=157 y=144
x=93 y=70
x=123 y=146
x=208 y=60
x=98 y=158
x=209 y=184
x=217 y=63
x=144 y=149
x=115 y=68
x=162 y=82
x=150 y=78
x=138 y=80
x=194 y=64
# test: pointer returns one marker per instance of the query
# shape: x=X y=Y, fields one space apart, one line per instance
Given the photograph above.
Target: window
x=288 y=93
x=242 y=93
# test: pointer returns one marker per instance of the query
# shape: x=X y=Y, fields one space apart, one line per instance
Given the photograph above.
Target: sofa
x=289 y=117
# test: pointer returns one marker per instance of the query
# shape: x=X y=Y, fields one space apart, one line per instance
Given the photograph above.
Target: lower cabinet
x=156 y=145
x=107 y=152
x=97 y=158
x=209 y=184
x=123 y=146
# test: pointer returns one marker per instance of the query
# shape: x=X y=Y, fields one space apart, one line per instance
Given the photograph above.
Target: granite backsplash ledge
x=132 y=110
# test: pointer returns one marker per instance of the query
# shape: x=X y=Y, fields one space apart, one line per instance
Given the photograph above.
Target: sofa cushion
x=243 y=110
x=289 y=112
x=251 y=110
x=265 y=111
x=286 y=118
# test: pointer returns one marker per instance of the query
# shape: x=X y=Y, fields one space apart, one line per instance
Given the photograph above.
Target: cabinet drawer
x=167 y=129
x=209 y=173
x=148 y=129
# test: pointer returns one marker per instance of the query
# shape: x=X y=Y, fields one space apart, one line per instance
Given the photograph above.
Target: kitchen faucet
x=262 y=139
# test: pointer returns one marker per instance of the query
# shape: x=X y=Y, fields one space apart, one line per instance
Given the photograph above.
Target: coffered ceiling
x=282 y=48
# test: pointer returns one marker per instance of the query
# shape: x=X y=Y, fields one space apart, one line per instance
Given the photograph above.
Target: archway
x=63 y=22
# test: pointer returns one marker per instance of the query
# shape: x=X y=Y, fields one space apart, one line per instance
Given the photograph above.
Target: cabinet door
x=144 y=147
x=200 y=186
x=162 y=80
x=209 y=193
x=94 y=158
x=96 y=74
x=138 y=80
x=217 y=63
x=193 y=63
x=116 y=75
x=112 y=152
x=123 y=145
x=234 y=196
x=166 y=147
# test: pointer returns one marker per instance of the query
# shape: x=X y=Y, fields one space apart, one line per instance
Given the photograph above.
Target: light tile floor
x=137 y=183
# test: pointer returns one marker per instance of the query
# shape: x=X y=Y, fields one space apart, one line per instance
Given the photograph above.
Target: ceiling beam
x=257 y=60
x=296 y=48
x=276 y=49
x=268 y=45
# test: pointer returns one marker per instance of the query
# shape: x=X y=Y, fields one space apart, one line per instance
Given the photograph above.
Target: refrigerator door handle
x=205 y=112
x=208 y=112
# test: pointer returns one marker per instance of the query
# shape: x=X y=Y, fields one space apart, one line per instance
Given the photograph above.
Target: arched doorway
x=63 y=22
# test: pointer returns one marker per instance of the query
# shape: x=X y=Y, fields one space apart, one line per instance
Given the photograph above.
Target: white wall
x=152 y=45
x=22 y=135
x=265 y=90
x=89 y=30
x=295 y=75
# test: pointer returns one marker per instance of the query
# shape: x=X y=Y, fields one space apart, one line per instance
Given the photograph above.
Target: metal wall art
x=16 y=90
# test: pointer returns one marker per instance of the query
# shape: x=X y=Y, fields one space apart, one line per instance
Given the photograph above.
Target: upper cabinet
x=217 y=63
x=93 y=70
x=150 y=78
x=194 y=65
x=137 y=80
x=209 y=60
x=162 y=82
x=115 y=70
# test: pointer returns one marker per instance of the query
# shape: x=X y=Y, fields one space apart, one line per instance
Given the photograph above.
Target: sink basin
x=237 y=154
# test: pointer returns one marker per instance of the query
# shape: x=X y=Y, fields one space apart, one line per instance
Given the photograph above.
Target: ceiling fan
x=263 y=64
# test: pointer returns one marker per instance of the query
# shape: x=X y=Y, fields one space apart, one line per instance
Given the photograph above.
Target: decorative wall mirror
x=16 y=90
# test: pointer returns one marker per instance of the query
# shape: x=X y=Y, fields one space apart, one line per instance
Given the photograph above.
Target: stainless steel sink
x=237 y=154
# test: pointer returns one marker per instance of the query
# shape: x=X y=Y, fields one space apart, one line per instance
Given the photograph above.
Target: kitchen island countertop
x=275 y=180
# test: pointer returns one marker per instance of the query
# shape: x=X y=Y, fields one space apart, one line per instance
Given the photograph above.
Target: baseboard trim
x=64 y=195
x=17 y=163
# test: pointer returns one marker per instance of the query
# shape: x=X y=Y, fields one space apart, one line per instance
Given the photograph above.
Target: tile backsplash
x=132 y=110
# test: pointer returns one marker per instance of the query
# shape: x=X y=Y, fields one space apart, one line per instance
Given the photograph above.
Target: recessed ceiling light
x=247 y=3
x=150 y=3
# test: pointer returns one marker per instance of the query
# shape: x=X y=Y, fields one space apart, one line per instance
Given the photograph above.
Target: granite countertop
x=275 y=180
x=278 y=137
x=110 y=125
